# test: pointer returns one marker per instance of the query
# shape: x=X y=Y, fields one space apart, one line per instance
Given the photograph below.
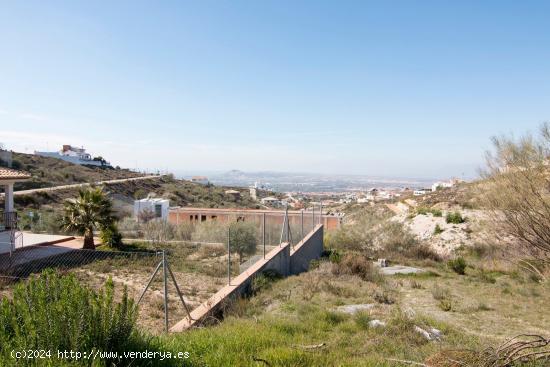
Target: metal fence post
x=302 y=225
x=263 y=233
x=165 y=276
x=229 y=256
x=321 y=213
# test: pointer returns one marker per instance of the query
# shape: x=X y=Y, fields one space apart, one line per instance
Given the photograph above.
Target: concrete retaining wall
x=280 y=259
x=310 y=248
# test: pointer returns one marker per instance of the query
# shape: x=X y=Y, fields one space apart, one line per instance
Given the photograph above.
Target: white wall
x=150 y=204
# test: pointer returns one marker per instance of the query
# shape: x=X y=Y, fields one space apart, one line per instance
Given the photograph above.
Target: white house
x=74 y=155
x=156 y=205
x=271 y=200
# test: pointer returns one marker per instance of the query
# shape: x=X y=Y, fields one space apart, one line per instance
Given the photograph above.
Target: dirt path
x=72 y=186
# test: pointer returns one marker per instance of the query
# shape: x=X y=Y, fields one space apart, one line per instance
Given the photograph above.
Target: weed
x=438 y=229
x=264 y=280
x=445 y=305
x=458 y=265
x=439 y=293
x=333 y=318
x=384 y=296
x=486 y=276
x=455 y=218
x=362 y=319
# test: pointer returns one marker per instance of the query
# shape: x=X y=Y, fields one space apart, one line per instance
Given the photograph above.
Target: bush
x=438 y=229
x=359 y=265
x=264 y=280
x=384 y=296
x=359 y=232
x=335 y=257
x=424 y=211
x=445 y=305
x=437 y=213
x=455 y=218
x=458 y=265
x=54 y=312
x=110 y=236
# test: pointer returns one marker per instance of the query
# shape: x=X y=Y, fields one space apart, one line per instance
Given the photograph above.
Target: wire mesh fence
x=159 y=306
x=178 y=273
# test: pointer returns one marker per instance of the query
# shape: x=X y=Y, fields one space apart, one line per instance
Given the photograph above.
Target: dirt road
x=63 y=187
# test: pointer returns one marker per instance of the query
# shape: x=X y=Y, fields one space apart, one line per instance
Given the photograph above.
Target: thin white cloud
x=33 y=117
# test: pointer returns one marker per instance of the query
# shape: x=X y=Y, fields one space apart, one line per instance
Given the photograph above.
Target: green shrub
x=362 y=319
x=422 y=210
x=110 y=236
x=54 y=312
x=333 y=318
x=335 y=257
x=425 y=211
x=486 y=276
x=455 y=218
x=264 y=280
x=458 y=265
x=445 y=304
x=438 y=229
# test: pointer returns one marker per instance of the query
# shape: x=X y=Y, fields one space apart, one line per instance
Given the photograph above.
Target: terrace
x=8 y=218
x=10 y=237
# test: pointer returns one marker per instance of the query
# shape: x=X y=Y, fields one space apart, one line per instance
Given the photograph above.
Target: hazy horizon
x=366 y=88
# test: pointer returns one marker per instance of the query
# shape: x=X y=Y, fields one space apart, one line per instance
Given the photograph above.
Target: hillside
x=48 y=172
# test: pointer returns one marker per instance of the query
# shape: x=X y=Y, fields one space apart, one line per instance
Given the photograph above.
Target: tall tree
x=91 y=211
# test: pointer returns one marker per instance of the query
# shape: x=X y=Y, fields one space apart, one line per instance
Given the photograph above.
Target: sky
x=385 y=88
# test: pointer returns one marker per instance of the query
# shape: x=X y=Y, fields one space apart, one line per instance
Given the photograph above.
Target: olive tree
x=242 y=239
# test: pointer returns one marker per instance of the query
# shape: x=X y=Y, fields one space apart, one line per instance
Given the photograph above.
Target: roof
x=11 y=174
x=152 y=200
x=233 y=192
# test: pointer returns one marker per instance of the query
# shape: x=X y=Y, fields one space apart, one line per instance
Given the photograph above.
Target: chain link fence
x=168 y=270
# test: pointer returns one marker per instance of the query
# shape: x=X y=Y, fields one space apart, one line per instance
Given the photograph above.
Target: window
x=158 y=210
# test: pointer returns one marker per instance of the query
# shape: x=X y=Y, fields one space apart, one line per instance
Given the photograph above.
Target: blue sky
x=391 y=88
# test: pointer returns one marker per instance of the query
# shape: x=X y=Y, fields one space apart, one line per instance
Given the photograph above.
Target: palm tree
x=92 y=210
